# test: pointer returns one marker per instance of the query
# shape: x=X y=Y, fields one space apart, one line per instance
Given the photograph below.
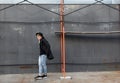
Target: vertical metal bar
x=61 y=42
x=119 y=12
x=63 y=67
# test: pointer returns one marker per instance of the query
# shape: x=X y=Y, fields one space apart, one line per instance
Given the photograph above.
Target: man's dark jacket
x=45 y=47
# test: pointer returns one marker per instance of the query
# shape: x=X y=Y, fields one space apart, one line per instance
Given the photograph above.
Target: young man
x=44 y=50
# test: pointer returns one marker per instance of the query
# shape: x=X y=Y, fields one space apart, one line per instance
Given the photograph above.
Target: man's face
x=39 y=37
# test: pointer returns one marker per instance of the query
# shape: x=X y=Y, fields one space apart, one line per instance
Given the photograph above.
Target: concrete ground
x=77 y=77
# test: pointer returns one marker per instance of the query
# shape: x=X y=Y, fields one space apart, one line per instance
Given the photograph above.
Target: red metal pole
x=63 y=67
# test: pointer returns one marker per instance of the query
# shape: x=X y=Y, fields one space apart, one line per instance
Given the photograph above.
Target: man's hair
x=39 y=33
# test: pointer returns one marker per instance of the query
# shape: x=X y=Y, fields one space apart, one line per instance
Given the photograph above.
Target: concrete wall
x=18 y=45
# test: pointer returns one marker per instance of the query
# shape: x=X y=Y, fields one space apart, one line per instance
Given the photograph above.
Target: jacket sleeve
x=46 y=46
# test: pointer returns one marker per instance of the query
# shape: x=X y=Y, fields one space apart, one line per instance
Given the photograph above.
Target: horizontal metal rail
x=75 y=22
x=106 y=63
x=47 y=22
x=73 y=32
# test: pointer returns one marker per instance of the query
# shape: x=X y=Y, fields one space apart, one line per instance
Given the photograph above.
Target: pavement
x=77 y=77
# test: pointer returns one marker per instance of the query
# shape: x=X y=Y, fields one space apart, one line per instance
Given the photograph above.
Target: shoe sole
x=38 y=78
x=45 y=77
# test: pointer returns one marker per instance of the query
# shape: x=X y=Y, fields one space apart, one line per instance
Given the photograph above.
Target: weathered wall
x=18 y=45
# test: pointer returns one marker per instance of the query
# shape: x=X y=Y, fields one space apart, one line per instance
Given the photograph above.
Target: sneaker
x=44 y=76
x=38 y=77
